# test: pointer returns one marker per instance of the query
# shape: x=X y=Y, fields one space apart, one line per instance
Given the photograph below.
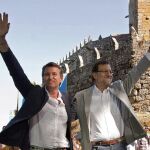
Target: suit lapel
x=66 y=102
x=118 y=90
x=87 y=101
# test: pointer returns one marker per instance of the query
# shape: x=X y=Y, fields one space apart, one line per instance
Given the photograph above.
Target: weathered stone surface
x=137 y=86
x=143 y=91
x=148 y=97
x=138 y=98
x=135 y=92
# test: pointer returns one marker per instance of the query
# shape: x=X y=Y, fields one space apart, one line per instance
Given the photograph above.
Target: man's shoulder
x=36 y=90
x=117 y=86
x=37 y=87
x=82 y=92
x=116 y=83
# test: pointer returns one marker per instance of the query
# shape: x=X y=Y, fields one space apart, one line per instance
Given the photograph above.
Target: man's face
x=52 y=78
x=104 y=75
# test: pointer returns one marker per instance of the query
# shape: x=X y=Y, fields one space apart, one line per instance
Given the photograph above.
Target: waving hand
x=4 y=28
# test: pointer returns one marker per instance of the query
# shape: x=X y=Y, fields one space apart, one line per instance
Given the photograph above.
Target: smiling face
x=52 y=77
x=103 y=76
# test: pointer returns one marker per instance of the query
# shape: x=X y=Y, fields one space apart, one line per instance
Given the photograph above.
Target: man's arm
x=136 y=72
x=21 y=81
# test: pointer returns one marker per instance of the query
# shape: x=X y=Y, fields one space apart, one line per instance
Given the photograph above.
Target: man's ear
x=62 y=77
x=94 y=75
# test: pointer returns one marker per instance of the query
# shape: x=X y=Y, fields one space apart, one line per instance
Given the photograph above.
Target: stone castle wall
x=80 y=76
x=123 y=51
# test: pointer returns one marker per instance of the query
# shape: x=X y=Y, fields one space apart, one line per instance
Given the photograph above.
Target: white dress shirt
x=105 y=117
x=48 y=127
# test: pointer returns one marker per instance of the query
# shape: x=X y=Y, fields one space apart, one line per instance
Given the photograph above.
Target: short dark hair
x=101 y=62
x=52 y=64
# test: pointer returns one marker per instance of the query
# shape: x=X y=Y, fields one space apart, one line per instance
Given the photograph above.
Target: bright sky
x=46 y=30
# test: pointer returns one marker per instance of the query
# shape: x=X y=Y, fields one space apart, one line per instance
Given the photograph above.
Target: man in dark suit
x=43 y=121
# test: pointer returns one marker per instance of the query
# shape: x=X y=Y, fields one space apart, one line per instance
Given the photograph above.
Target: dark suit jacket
x=16 y=133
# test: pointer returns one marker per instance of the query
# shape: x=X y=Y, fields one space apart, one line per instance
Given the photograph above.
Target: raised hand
x=4 y=25
x=4 y=28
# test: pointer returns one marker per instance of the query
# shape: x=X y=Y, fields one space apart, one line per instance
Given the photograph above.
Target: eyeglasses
x=106 y=71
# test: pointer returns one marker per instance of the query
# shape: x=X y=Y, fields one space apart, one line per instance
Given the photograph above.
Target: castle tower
x=139 y=17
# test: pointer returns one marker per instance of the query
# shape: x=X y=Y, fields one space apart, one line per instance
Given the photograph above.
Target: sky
x=46 y=30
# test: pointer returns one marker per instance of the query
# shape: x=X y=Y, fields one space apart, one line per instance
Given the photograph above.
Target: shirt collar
x=58 y=98
x=95 y=89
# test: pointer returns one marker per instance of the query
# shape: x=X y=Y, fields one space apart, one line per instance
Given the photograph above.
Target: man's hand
x=75 y=129
x=142 y=144
x=4 y=28
x=4 y=25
